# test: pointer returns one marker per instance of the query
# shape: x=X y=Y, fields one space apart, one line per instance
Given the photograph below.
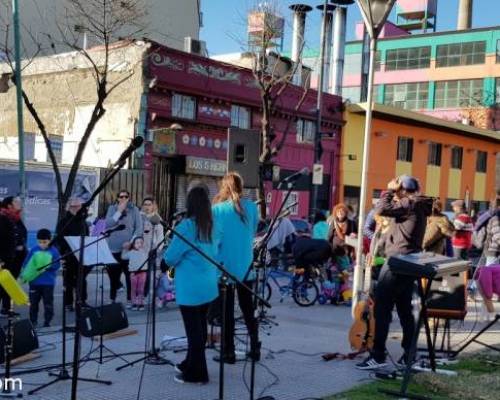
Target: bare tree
x=102 y=22
x=482 y=111
x=273 y=74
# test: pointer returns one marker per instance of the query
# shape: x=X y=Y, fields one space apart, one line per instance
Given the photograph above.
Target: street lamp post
x=19 y=98
x=375 y=13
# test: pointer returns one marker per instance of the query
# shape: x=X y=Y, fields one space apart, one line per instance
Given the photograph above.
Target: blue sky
x=224 y=21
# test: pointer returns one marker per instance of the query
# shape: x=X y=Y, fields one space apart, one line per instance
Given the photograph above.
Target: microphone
x=133 y=146
x=117 y=228
x=294 y=177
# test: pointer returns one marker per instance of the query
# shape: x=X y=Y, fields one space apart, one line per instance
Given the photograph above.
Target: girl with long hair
x=195 y=281
x=237 y=220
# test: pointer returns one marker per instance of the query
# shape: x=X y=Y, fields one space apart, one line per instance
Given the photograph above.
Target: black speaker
x=243 y=153
x=448 y=297
x=96 y=321
x=25 y=339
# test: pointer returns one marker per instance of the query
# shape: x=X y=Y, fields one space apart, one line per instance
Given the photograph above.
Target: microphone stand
x=152 y=356
x=261 y=262
x=224 y=282
x=63 y=373
x=83 y=212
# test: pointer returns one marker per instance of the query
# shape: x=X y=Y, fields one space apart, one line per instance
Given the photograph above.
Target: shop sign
x=205 y=166
x=164 y=141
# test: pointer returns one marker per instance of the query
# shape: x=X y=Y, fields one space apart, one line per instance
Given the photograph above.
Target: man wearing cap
x=462 y=239
x=408 y=212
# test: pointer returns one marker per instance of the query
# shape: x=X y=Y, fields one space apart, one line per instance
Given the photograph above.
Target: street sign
x=318 y=174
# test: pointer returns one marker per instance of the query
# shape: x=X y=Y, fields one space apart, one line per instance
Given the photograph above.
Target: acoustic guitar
x=362 y=332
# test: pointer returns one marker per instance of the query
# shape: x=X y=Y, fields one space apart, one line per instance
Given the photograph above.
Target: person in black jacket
x=405 y=235
x=71 y=224
x=11 y=211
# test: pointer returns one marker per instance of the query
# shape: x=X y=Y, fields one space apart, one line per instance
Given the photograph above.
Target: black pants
x=45 y=293
x=15 y=270
x=392 y=290
x=70 y=276
x=246 y=305
x=194 y=367
x=115 y=273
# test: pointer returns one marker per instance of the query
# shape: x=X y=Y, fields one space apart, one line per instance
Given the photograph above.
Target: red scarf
x=13 y=215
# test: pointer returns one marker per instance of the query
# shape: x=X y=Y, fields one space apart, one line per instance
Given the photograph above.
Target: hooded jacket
x=407 y=229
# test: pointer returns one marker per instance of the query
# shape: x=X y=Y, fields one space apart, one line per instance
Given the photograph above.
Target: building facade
x=165 y=21
x=202 y=96
x=451 y=75
x=450 y=159
x=206 y=97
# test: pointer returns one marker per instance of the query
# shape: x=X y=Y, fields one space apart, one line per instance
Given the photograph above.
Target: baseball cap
x=409 y=183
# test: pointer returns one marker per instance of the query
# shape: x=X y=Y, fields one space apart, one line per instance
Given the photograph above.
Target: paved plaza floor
x=291 y=367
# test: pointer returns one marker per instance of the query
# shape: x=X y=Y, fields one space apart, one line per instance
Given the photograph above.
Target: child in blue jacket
x=42 y=287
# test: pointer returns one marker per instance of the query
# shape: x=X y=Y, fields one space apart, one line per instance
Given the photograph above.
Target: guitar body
x=362 y=332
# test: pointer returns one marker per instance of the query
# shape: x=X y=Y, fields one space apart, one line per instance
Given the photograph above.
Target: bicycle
x=302 y=288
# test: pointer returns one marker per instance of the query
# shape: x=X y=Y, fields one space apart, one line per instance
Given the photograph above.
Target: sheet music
x=95 y=253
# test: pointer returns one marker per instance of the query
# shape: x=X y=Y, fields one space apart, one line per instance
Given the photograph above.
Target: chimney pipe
x=464 y=15
x=338 y=50
x=299 y=23
x=330 y=9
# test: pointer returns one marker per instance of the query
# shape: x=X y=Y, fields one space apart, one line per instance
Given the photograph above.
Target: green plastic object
x=38 y=263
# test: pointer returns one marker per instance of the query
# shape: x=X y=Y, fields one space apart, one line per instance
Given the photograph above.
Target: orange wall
x=384 y=150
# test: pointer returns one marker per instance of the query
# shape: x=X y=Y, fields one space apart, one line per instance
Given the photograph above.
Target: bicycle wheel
x=305 y=293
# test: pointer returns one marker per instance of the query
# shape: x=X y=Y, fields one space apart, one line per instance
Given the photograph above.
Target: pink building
x=206 y=97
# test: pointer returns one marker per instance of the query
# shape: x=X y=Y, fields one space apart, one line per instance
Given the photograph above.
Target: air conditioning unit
x=195 y=46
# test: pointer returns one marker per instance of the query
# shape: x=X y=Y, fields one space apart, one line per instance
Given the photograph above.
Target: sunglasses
x=123 y=196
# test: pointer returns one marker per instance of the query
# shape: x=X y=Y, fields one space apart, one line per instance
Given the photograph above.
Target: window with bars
x=468 y=53
x=434 y=154
x=405 y=149
x=409 y=58
x=481 y=161
x=305 y=131
x=183 y=106
x=240 y=117
x=498 y=51
x=454 y=94
x=456 y=157
x=410 y=96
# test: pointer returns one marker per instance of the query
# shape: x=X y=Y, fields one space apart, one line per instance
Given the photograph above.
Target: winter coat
x=492 y=242
x=438 y=229
x=131 y=218
x=7 y=241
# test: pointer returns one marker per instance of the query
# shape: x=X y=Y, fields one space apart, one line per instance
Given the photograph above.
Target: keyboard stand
x=423 y=292
x=476 y=336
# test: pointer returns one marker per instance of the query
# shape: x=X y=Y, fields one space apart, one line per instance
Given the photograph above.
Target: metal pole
x=19 y=98
x=358 y=269
x=317 y=135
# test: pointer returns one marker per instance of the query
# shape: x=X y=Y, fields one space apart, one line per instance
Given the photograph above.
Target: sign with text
x=318 y=174
x=205 y=166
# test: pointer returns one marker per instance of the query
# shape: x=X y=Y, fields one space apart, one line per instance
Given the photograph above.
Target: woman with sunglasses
x=122 y=212
x=195 y=281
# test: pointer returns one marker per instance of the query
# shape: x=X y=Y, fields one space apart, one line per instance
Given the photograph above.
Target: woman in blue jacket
x=237 y=221
x=195 y=281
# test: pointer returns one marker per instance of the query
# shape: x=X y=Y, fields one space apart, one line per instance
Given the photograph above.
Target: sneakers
x=133 y=308
x=140 y=308
x=370 y=364
x=179 y=378
x=177 y=368
x=129 y=305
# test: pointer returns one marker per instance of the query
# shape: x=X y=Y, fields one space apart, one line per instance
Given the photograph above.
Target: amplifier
x=25 y=339
x=448 y=297
x=96 y=321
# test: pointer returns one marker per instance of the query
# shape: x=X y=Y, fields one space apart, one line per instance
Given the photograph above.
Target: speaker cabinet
x=96 y=321
x=25 y=339
x=243 y=153
x=448 y=297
